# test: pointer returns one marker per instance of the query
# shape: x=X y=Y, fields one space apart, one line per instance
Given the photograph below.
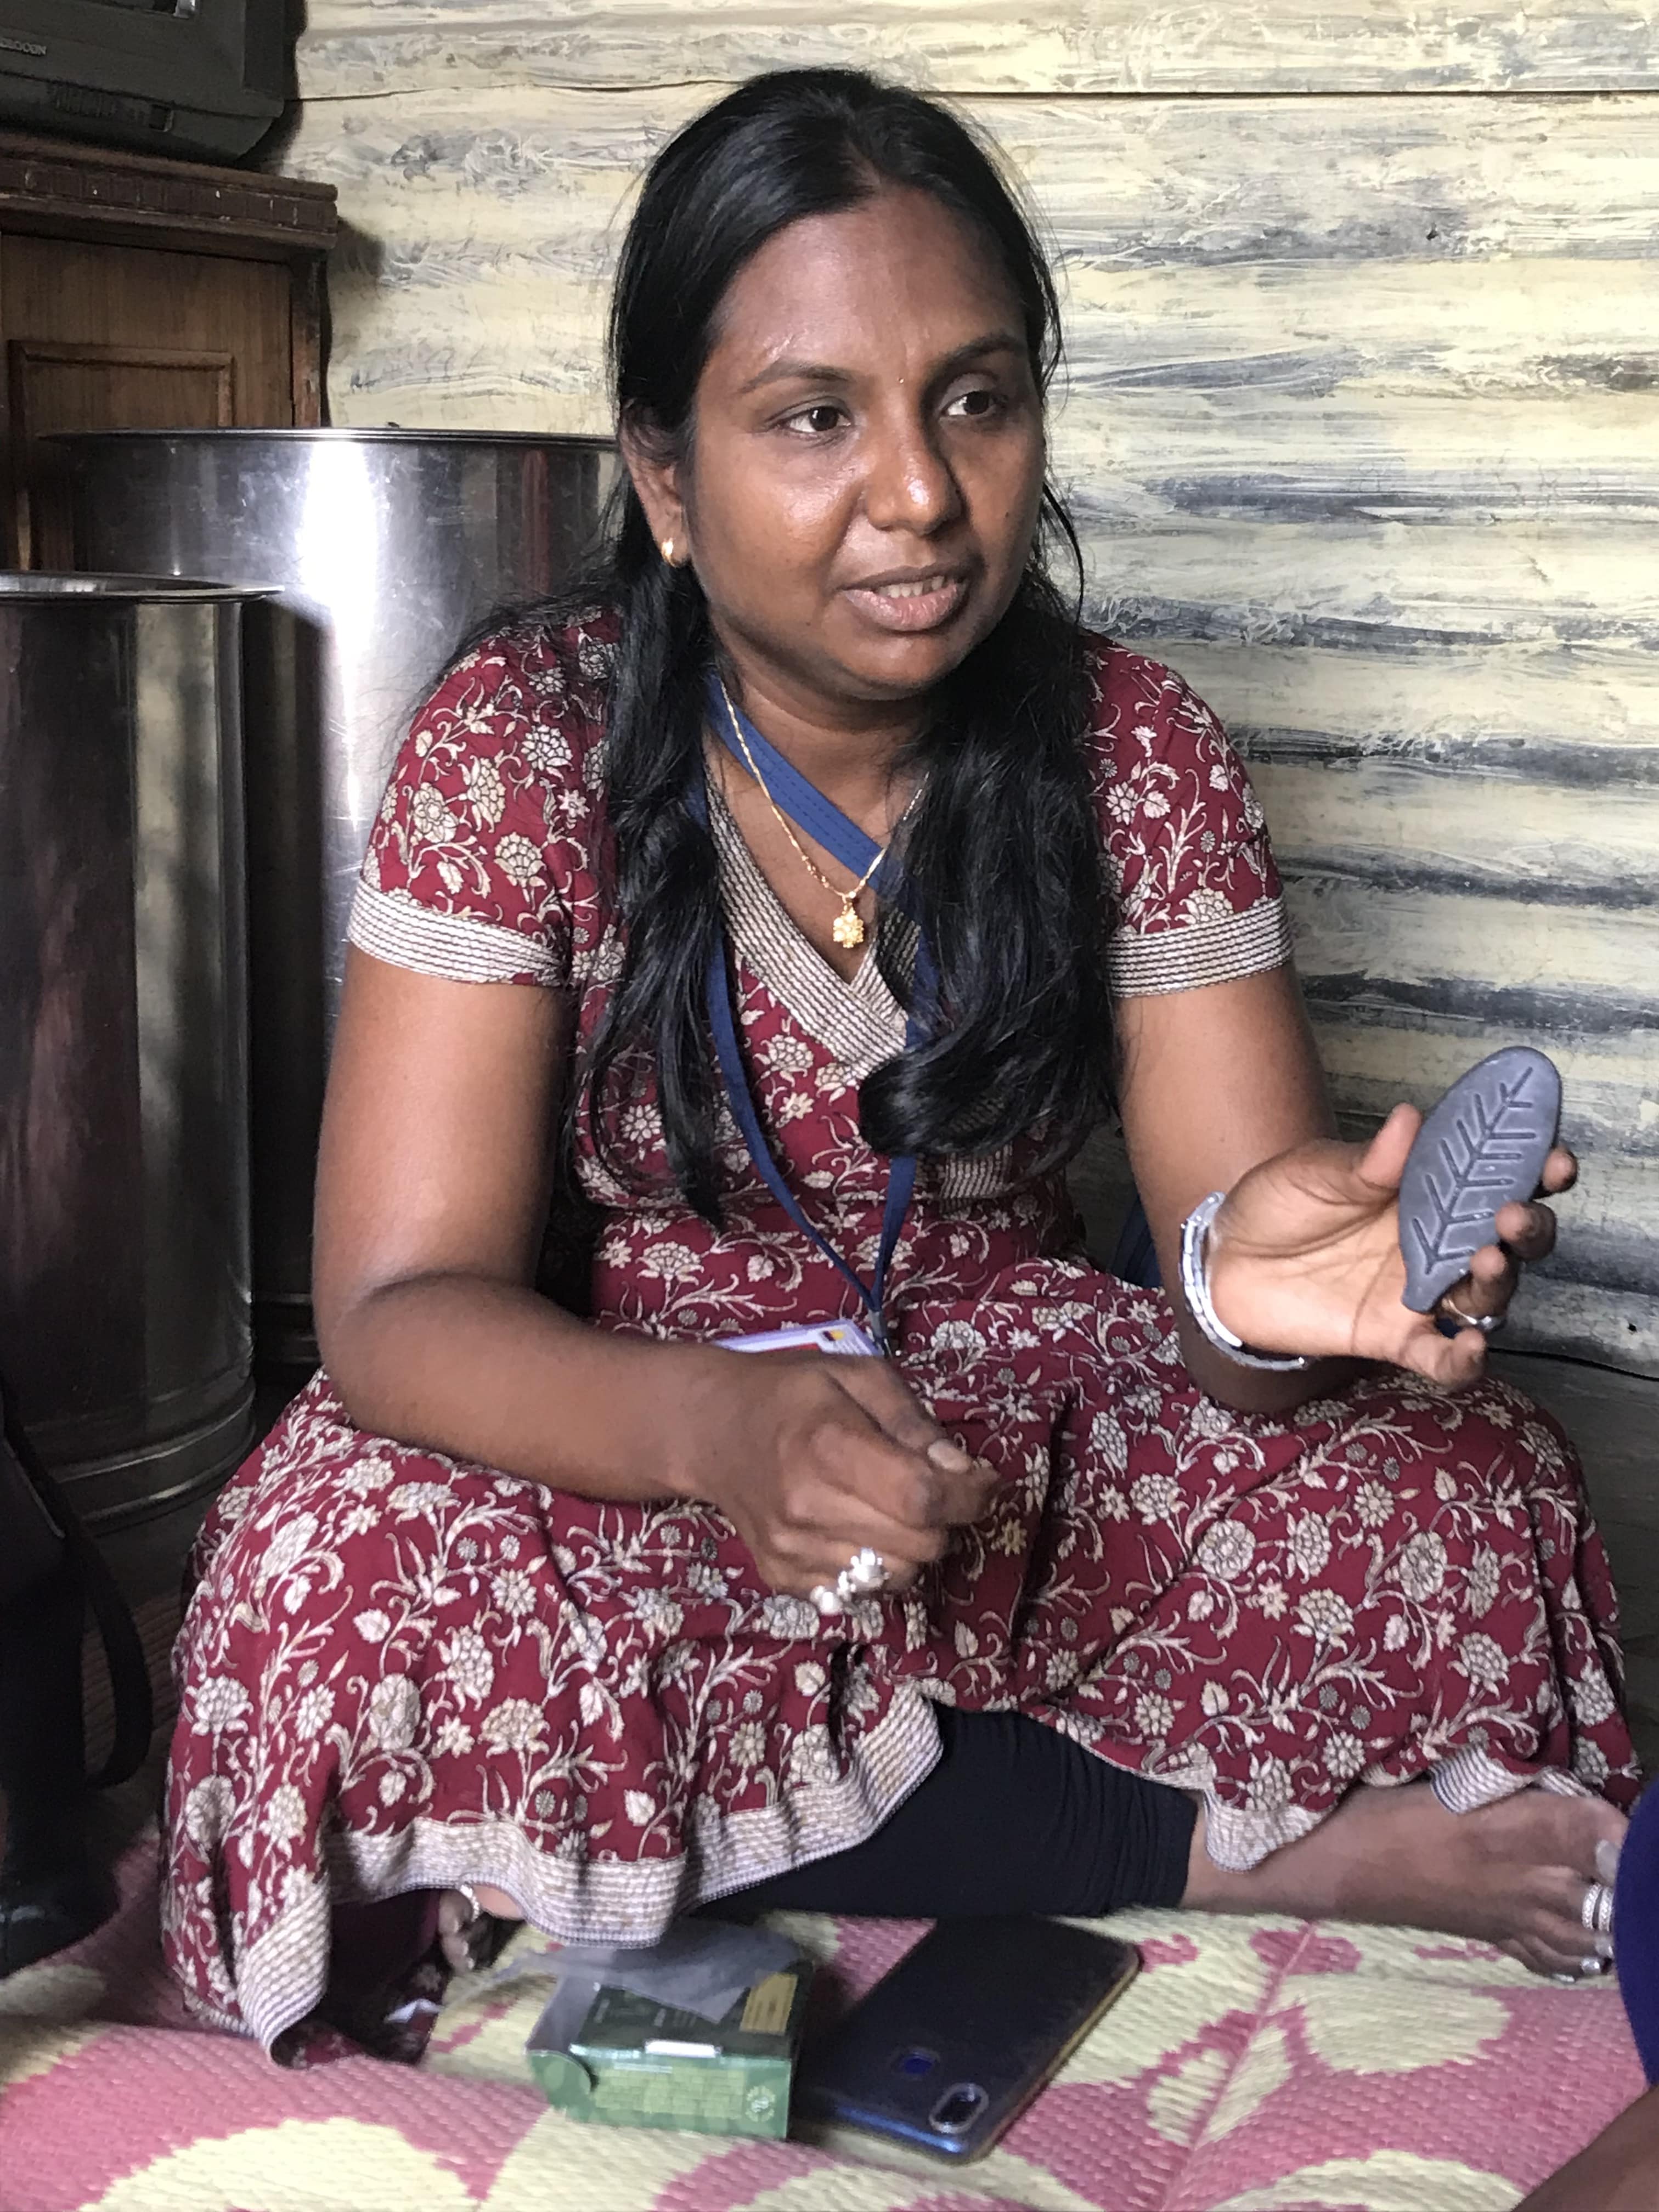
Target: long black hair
x=1002 y=851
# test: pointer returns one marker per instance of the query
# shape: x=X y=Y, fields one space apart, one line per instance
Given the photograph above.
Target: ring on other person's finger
x=1488 y=1324
x=824 y=1599
x=865 y=1574
x=1590 y=1968
x=1596 y=1913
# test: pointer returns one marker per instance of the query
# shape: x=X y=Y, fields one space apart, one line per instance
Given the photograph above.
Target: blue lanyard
x=824 y=822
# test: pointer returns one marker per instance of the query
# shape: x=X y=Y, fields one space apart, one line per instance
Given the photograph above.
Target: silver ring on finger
x=1488 y=1324
x=1590 y=1968
x=1566 y=1981
x=865 y=1574
x=826 y=1600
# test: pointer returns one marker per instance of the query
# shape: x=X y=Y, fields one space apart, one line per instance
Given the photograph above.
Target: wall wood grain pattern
x=1433 y=698
x=1361 y=427
x=357 y=47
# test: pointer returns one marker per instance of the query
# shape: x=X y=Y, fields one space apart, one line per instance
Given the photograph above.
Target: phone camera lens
x=958 y=2109
x=915 y=2063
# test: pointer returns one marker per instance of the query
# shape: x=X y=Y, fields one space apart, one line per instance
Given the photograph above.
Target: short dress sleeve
x=480 y=861
x=1196 y=898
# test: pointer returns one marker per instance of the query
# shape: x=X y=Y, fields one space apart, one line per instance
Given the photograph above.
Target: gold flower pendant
x=847 y=927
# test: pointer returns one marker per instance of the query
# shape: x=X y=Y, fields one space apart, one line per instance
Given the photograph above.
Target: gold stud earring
x=667 y=549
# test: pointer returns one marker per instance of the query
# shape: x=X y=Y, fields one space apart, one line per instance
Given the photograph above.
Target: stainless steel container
x=123 y=1237
x=384 y=547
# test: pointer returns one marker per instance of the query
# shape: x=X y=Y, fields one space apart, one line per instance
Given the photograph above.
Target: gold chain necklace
x=847 y=927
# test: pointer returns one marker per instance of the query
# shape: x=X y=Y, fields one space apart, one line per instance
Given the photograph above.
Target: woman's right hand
x=812 y=1456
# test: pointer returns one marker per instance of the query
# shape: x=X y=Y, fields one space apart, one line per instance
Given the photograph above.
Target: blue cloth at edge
x=1635 y=1929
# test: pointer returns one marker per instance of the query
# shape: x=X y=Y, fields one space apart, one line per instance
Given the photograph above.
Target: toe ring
x=1596 y=1913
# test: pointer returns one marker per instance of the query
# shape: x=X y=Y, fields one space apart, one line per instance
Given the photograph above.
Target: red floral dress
x=402 y=1671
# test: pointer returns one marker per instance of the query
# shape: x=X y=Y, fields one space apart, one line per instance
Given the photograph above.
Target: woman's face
x=866 y=461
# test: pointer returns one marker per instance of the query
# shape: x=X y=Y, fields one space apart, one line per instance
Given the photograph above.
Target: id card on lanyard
x=824 y=822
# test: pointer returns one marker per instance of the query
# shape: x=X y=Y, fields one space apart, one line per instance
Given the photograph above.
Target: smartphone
x=945 y=2054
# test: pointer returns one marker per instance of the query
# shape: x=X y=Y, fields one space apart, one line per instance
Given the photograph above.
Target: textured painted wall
x=989 y=46
x=1361 y=430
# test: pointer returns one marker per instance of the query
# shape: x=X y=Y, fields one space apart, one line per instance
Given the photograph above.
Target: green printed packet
x=628 y=2058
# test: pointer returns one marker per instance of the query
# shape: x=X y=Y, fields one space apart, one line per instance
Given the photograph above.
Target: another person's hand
x=1617 y=2173
x=1304 y=1257
x=813 y=1457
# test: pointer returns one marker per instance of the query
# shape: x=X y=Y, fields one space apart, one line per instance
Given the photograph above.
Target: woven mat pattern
x=1255 y=2066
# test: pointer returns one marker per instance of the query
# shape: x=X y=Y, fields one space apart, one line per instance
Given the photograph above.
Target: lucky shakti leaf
x=1485 y=1143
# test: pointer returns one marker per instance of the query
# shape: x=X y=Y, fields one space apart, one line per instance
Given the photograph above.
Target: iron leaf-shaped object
x=1485 y=1143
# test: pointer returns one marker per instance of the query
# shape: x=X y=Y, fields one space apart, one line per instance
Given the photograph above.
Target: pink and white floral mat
x=1256 y=2066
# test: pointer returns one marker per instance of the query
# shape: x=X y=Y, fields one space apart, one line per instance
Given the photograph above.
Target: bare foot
x=473 y=1923
x=1513 y=1873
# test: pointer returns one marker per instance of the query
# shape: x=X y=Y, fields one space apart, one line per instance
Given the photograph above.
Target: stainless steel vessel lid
x=35 y=584
x=391 y=434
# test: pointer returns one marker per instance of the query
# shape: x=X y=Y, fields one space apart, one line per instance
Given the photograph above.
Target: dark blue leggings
x=1015 y=1818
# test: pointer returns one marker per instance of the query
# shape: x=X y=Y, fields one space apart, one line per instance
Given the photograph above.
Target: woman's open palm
x=1304 y=1257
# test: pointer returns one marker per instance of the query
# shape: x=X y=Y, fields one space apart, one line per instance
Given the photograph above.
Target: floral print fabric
x=402 y=1671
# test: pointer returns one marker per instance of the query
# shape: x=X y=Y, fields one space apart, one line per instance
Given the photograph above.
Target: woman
x=1619 y=2171
x=1071 y=1601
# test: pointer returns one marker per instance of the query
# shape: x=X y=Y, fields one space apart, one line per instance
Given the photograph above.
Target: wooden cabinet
x=145 y=294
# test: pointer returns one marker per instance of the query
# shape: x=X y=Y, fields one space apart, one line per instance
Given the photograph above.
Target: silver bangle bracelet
x=1195 y=1287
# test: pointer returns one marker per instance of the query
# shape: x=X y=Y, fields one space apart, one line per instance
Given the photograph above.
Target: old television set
x=202 y=77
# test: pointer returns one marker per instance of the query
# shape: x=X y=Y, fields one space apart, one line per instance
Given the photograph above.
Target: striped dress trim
x=457 y=948
x=1203 y=952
